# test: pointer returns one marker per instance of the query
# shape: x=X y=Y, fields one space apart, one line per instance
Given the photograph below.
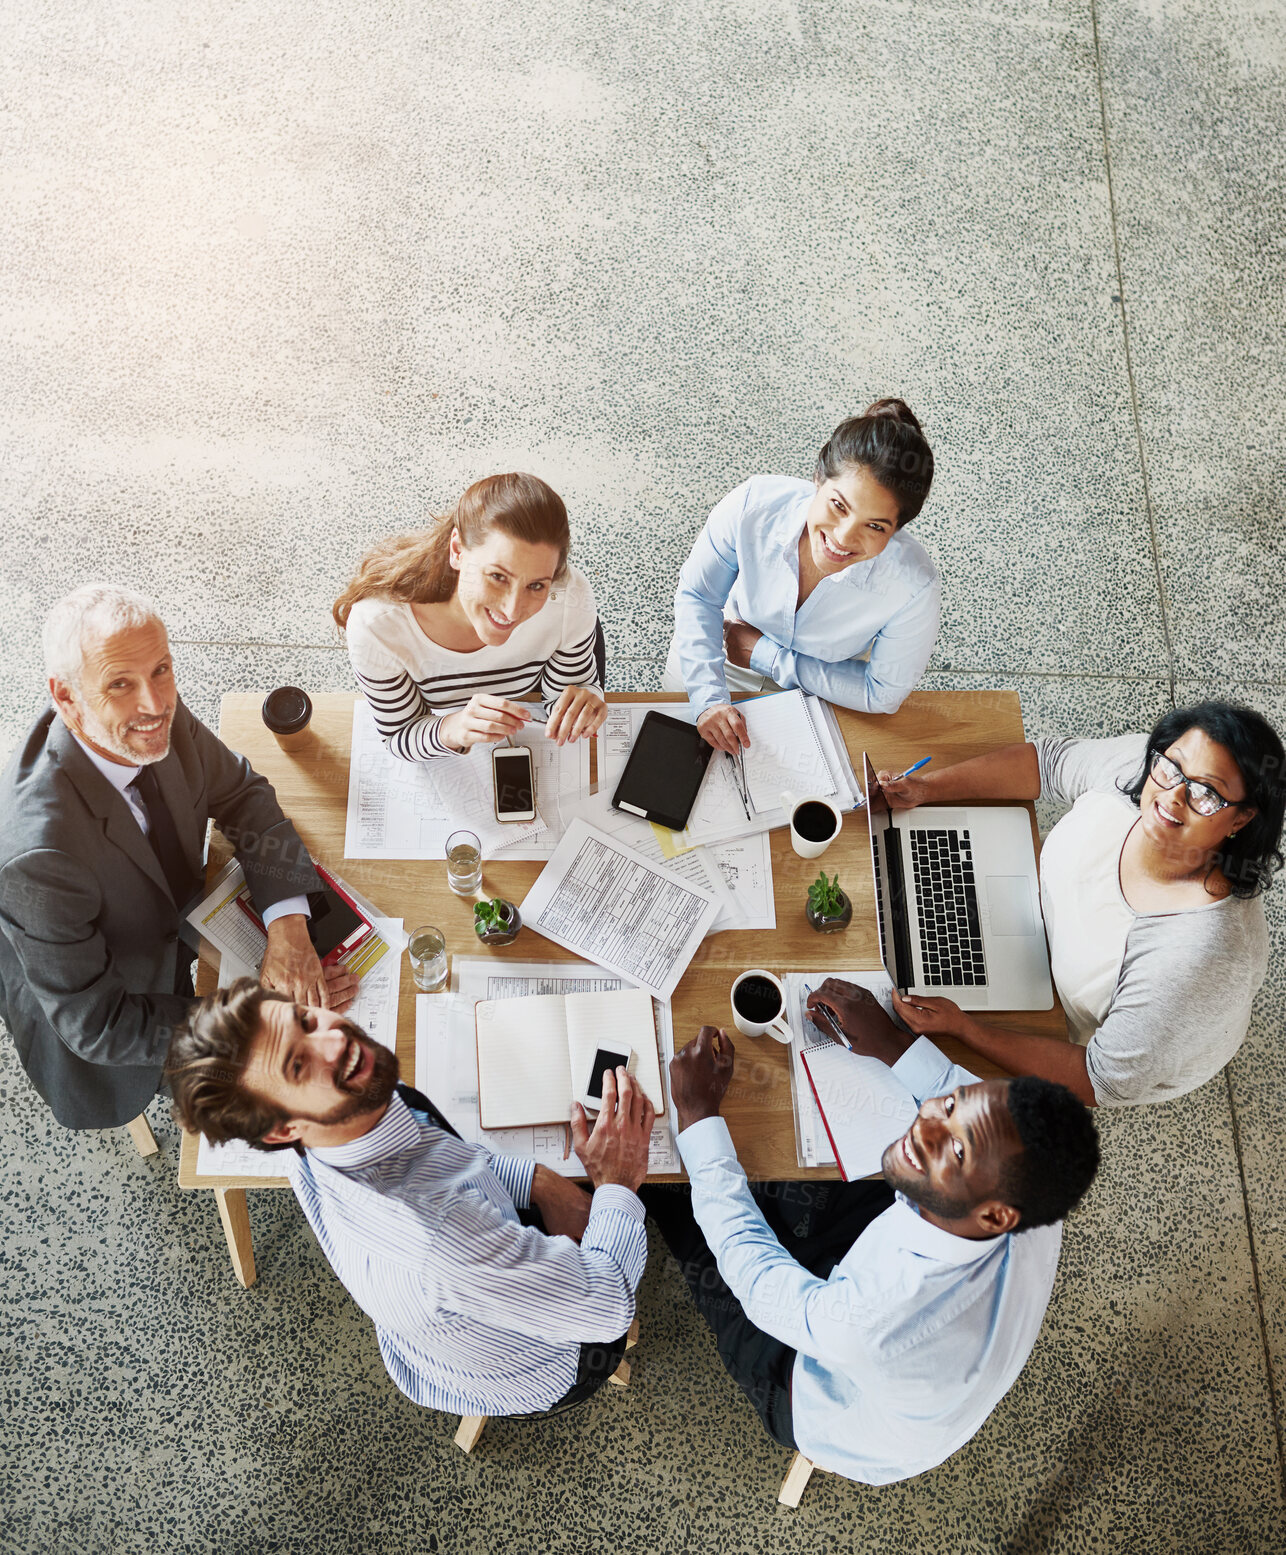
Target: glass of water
x=464 y=863
x=427 y=949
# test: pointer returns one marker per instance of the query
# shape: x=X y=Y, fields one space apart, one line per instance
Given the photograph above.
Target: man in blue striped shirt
x=476 y=1312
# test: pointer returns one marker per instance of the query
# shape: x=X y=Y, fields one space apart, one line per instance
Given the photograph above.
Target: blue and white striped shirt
x=476 y=1314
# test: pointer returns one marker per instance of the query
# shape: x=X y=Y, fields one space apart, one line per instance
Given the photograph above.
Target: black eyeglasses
x=1203 y=799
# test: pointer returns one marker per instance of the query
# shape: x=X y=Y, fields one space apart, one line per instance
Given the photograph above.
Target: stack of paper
x=795 y=748
x=407 y=809
x=608 y=903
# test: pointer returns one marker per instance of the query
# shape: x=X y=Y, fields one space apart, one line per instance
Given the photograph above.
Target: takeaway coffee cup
x=814 y=824
x=758 y=1002
x=286 y=713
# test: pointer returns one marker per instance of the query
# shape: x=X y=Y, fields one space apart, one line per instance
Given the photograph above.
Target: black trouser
x=596 y=1365
x=817 y=1223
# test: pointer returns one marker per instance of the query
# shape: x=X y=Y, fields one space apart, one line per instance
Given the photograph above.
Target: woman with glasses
x=1152 y=888
x=447 y=627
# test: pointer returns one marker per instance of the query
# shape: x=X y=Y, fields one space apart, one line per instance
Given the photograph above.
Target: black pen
x=835 y=1026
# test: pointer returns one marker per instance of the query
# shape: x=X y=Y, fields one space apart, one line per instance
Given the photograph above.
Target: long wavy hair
x=415 y=569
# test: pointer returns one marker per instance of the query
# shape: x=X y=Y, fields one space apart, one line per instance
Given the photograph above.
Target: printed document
x=698 y=866
x=407 y=809
x=446 y=1064
x=608 y=903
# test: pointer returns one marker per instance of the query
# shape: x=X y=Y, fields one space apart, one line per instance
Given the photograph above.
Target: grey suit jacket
x=89 y=933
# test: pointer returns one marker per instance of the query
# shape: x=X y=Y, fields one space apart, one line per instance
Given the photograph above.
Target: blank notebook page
x=523 y=1073
x=617 y=1020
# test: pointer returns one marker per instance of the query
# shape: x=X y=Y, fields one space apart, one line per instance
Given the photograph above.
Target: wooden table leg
x=235 y=1215
x=466 y=1438
x=140 y=1131
x=792 y=1487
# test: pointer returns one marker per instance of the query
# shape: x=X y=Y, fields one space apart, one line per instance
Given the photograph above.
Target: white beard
x=98 y=734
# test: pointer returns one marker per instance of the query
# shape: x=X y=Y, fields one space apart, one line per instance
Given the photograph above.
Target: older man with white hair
x=103 y=811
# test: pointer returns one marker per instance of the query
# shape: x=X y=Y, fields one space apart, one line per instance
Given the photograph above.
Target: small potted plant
x=829 y=909
x=496 y=922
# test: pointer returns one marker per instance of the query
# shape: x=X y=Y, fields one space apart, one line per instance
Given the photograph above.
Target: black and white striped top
x=411 y=681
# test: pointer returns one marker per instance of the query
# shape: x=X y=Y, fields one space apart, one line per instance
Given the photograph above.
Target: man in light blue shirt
x=476 y=1312
x=879 y=1357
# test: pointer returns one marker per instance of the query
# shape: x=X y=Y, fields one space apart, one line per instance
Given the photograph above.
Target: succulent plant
x=825 y=897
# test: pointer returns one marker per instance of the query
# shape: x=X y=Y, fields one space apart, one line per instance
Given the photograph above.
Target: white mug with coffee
x=758 y=1005
x=814 y=824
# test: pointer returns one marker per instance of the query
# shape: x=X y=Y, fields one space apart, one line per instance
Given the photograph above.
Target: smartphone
x=514 y=783
x=591 y=1098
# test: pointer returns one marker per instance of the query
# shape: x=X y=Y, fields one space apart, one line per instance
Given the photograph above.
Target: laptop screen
x=890 y=893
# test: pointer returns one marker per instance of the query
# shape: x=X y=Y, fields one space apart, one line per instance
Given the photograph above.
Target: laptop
x=957 y=901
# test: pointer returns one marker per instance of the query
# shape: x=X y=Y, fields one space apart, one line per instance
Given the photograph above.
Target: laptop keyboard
x=947 y=903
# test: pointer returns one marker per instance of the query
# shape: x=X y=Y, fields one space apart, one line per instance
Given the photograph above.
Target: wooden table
x=312 y=785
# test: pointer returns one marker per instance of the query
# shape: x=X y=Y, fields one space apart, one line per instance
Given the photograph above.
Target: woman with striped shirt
x=447 y=626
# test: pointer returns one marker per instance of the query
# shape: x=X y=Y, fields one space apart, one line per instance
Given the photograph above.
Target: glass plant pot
x=500 y=934
x=831 y=923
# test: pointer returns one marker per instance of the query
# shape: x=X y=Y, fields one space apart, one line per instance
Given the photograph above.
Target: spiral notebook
x=785 y=752
x=864 y=1106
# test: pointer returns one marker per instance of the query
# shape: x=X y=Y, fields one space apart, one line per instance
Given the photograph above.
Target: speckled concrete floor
x=279 y=277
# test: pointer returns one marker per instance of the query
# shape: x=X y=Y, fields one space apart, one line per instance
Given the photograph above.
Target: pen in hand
x=836 y=1029
x=739 y=767
x=924 y=762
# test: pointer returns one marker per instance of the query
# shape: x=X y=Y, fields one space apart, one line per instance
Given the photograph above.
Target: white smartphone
x=514 y=783
x=591 y=1097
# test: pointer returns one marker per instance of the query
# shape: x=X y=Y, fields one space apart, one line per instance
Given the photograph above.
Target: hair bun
x=894 y=410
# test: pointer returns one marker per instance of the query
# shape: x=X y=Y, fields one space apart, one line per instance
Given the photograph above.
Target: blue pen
x=922 y=763
x=830 y=1020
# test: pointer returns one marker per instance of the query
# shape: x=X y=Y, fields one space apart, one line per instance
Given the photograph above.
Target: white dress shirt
x=121 y=777
x=475 y=1313
x=861 y=639
x=917 y=1334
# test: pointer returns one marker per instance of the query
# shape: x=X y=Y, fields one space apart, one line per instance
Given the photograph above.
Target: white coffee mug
x=805 y=846
x=776 y=1027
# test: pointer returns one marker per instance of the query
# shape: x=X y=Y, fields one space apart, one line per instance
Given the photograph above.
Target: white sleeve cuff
x=291 y=904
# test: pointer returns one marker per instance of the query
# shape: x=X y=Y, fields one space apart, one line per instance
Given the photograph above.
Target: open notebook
x=535 y=1053
x=864 y=1106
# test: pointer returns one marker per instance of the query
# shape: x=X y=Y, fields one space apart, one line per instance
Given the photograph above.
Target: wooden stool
x=471 y=1426
x=797 y=1476
x=140 y=1131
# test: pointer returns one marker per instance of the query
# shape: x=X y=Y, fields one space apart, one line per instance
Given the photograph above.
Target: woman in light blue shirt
x=813 y=585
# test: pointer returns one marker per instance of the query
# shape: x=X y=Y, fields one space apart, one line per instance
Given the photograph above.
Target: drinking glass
x=464 y=863
x=427 y=949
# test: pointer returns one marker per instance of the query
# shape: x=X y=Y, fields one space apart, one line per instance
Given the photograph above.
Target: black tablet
x=664 y=772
